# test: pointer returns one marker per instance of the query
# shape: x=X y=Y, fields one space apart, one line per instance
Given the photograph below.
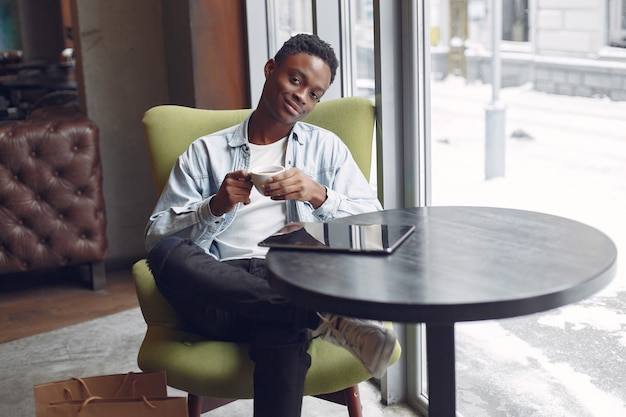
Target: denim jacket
x=183 y=207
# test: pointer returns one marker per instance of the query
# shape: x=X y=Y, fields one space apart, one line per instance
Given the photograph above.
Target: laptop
x=331 y=236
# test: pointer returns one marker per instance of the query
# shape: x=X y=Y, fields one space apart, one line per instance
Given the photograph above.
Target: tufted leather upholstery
x=52 y=210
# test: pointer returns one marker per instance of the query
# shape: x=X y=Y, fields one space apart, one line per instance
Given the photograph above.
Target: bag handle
x=148 y=403
x=115 y=393
x=119 y=388
x=67 y=394
x=87 y=401
x=92 y=398
x=84 y=385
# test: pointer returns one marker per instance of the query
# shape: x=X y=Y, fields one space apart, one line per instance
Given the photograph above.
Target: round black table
x=460 y=264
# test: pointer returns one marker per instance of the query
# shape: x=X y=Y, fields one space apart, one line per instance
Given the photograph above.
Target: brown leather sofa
x=52 y=211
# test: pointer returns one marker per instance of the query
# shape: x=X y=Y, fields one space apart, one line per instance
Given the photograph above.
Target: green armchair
x=216 y=372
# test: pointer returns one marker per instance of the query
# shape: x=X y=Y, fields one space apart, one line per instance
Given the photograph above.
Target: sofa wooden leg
x=98 y=276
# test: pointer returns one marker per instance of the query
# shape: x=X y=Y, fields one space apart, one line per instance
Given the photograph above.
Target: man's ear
x=270 y=65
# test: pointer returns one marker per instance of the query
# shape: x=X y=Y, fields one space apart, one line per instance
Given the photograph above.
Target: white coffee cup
x=261 y=174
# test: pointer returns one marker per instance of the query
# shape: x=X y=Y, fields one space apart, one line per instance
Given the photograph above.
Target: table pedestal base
x=441 y=370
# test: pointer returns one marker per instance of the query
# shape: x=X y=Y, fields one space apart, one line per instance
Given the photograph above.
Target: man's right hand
x=234 y=189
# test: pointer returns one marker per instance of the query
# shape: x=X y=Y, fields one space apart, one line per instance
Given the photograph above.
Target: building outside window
x=559 y=47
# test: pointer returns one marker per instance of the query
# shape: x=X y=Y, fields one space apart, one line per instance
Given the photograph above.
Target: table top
x=460 y=264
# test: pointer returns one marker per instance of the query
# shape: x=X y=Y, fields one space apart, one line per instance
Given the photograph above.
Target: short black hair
x=310 y=44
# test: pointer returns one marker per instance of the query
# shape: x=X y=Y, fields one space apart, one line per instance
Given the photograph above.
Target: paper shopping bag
x=119 y=407
x=132 y=384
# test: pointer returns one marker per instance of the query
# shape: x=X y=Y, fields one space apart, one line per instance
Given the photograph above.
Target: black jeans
x=233 y=301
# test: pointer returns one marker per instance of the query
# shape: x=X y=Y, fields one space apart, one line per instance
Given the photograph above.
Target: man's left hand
x=294 y=184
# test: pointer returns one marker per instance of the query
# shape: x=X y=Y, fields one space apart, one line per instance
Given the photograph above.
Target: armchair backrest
x=170 y=129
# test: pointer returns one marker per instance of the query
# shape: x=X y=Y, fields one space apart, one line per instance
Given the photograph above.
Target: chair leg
x=349 y=397
x=353 y=401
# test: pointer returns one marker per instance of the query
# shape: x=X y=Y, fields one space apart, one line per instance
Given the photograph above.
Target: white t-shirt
x=259 y=219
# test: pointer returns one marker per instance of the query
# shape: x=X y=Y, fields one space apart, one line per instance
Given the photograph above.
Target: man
x=204 y=231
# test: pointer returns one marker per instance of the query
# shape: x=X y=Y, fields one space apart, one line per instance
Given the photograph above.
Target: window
x=617 y=23
x=563 y=154
x=515 y=20
x=363 y=44
x=557 y=160
x=288 y=17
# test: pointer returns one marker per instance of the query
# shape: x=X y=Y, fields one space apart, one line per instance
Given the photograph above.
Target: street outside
x=564 y=156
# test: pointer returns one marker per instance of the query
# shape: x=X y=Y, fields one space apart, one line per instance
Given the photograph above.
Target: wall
x=206 y=53
x=178 y=53
x=133 y=55
x=220 y=54
x=121 y=73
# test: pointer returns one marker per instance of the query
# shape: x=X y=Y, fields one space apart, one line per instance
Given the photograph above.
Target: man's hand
x=234 y=189
x=294 y=184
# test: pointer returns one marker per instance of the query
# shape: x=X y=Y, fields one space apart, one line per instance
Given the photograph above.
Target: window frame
x=616 y=19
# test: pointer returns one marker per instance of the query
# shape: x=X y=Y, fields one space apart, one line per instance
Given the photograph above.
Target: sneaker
x=369 y=341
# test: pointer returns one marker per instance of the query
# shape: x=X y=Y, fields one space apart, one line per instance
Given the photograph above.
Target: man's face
x=293 y=88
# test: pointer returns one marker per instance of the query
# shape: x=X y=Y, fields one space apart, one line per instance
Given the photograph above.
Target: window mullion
x=327 y=26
